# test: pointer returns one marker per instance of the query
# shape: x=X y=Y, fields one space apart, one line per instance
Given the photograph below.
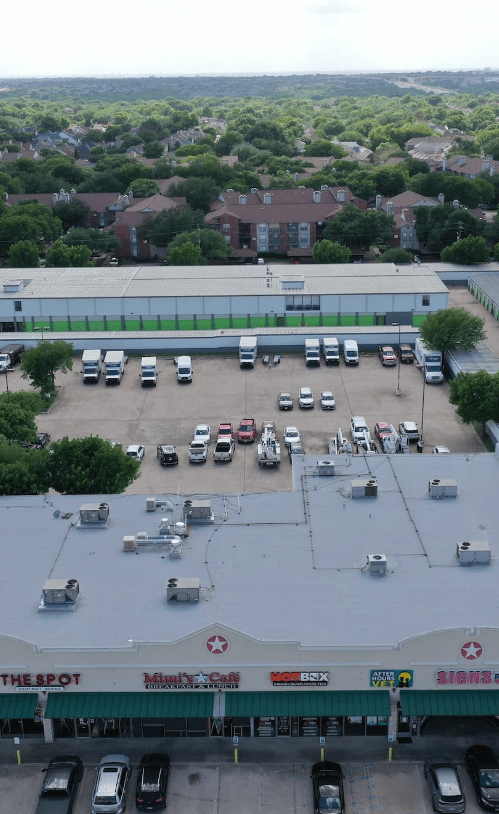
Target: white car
x=306 y=398
x=441 y=450
x=410 y=430
x=136 y=451
x=198 y=452
x=291 y=436
x=327 y=400
x=202 y=433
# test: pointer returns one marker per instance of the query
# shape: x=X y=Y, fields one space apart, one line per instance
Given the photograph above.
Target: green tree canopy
x=476 y=396
x=64 y=255
x=96 y=239
x=327 y=251
x=39 y=364
x=72 y=213
x=468 y=250
x=161 y=230
x=24 y=254
x=90 y=466
x=28 y=220
x=212 y=244
x=355 y=227
x=452 y=328
x=198 y=192
x=187 y=254
x=398 y=256
x=16 y=423
x=23 y=471
x=143 y=187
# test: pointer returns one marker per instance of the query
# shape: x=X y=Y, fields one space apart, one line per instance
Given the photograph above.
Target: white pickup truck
x=224 y=449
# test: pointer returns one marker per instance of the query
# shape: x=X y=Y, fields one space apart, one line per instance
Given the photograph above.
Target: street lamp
x=420 y=442
x=42 y=329
x=398 y=391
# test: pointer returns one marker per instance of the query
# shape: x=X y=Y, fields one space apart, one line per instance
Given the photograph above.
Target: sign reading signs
x=197 y=681
x=467 y=677
x=295 y=679
x=391 y=678
x=41 y=681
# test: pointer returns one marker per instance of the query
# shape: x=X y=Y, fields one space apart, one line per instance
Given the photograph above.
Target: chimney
x=317 y=197
x=389 y=208
x=455 y=203
x=462 y=160
x=242 y=199
x=6 y=196
x=267 y=198
x=441 y=198
x=341 y=195
x=444 y=164
x=55 y=198
x=297 y=176
x=379 y=198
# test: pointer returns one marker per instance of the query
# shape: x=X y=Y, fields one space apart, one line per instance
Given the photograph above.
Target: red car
x=387 y=355
x=381 y=430
x=225 y=432
x=247 y=431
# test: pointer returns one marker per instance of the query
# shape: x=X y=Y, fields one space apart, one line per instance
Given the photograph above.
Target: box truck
x=430 y=362
x=90 y=361
x=331 y=350
x=247 y=351
x=312 y=352
x=10 y=355
x=148 y=371
x=114 y=364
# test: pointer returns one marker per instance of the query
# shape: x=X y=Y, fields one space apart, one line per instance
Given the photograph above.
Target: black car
x=327 y=782
x=42 y=440
x=483 y=767
x=152 y=781
x=167 y=454
x=60 y=785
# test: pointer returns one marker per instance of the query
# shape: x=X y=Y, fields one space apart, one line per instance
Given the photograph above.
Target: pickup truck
x=224 y=449
x=60 y=785
x=247 y=431
x=225 y=431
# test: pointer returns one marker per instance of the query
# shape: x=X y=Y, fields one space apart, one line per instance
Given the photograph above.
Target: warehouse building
x=363 y=603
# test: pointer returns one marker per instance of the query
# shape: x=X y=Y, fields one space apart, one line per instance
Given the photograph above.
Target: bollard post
x=18 y=753
x=390 y=753
x=322 y=754
x=236 y=755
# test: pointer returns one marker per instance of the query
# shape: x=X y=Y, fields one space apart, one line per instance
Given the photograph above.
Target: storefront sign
x=39 y=689
x=41 y=680
x=186 y=681
x=391 y=678
x=295 y=679
x=467 y=677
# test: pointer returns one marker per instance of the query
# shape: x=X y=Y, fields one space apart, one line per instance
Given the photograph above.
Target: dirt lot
x=220 y=391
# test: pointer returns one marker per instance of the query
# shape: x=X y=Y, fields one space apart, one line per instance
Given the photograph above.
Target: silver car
x=198 y=452
x=445 y=785
x=306 y=398
x=111 y=781
x=327 y=400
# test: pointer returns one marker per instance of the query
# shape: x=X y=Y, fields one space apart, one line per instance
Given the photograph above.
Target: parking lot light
x=398 y=391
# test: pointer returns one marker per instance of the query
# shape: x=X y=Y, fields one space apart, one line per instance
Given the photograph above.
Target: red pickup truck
x=225 y=432
x=247 y=431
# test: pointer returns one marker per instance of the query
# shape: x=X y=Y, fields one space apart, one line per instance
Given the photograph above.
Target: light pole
x=398 y=391
x=42 y=329
x=421 y=442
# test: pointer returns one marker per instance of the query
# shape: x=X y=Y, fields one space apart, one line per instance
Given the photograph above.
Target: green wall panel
x=132 y=324
x=329 y=319
x=204 y=324
x=366 y=319
x=60 y=325
x=347 y=319
x=222 y=323
x=186 y=324
x=168 y=325
x=114 y=325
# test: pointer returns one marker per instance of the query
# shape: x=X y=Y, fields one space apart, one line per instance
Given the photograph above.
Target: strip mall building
x=363 y=603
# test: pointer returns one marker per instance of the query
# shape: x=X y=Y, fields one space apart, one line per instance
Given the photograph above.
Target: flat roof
x=277 y=567
x=221 y=281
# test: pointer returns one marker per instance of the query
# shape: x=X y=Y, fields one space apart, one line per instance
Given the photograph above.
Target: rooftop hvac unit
x=470 y=553
x=439 y=488
x=325 y=469
x=151 y=504
x=182 y=590
x=175 y=547
x=130 y=543
x=142 y=535
x=59 y=594
x=376 y=564
x=164 y=526
x=198 y=511
x=93 y=515
x=364 y=487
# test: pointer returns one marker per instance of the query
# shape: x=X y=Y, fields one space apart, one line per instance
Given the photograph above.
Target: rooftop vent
x=325 y=469
x=364 y=487
x=292 y=282
x=198 y=511
x=93 y=515
x=59 y=594
x=471 y=553
x=376 y=564
x=439 y=488
x=13 y=286
x=182 y=590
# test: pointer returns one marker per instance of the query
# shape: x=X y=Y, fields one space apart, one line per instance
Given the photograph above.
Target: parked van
x=184 y=369
x=350 y=352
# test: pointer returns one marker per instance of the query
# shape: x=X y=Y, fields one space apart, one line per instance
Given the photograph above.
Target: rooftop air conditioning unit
x=325 y=469
x=364 y=487
x=182 y=590
x=376 y=564
x=59 y=594
x=93 y=515
x=151 y=504
x=471 y=553
x=198 y=511
x=439 y=488
x=130 y=543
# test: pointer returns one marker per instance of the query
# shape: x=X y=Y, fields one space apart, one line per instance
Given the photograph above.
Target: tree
x=72 y=213
x=62 y=255
x=359 y=227
x=398 y=256
x=29 y=220
x=199 y=192
x=326 y=251
x=212 y=244
x=452 y=328
x=40 y=364
x=16 y=423
x=324 y=147
x=170 y=222
x=496 y=252
x=188 y=254
x=85 y=466
x=476 y=396
x=23 y=471
x=468 y=250
x=95 y=239
x=143 y=188
x=24 y=254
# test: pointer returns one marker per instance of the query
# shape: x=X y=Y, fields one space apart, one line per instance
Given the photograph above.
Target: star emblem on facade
x=200 y=678
x=471 y=650
x=217 y=644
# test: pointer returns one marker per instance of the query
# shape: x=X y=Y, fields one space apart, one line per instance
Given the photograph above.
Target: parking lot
x=221 y=391
x=253 y=788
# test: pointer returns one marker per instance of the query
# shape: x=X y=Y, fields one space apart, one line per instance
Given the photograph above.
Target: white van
x=184 y=369
x=350 y=352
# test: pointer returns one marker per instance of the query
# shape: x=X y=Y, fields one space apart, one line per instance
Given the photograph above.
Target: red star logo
x=471 y=650
x=217 y=644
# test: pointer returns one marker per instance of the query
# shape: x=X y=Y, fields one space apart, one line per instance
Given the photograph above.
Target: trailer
x=429 y=361
x=90 y=361
x=10 y=355
x=114 y=364
x=269 y=449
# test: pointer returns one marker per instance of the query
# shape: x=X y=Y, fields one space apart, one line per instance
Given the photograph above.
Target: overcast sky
x=161 y=37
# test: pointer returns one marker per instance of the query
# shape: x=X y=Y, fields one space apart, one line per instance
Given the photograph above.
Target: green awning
x=374 y=702
x=449 y=702
x=18 y=705
x=163 y=704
